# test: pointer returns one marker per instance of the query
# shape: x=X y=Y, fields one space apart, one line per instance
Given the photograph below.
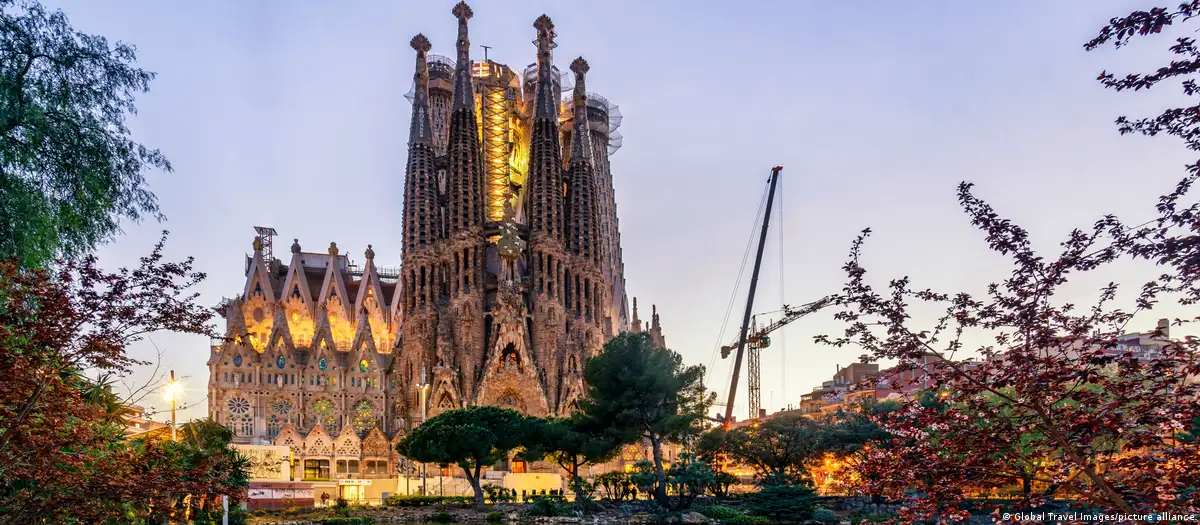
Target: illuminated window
x=316 y=470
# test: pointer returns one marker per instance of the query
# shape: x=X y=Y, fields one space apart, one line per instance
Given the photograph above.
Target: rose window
x=364 y=416
x=239 y=405
x=322 y=364
x=280 y=362
x=281 y=406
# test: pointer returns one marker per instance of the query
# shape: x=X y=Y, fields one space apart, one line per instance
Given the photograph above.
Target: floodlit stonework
x=510 y=277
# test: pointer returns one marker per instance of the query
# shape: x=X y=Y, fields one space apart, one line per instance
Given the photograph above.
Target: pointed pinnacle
x=420 y=43
x=579 y=66
x=462 y=11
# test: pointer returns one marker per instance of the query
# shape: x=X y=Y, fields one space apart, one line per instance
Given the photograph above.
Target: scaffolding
x=497 y=94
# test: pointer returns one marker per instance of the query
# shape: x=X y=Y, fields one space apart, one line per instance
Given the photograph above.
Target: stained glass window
x=364 y=416
x=237 y=360
x=239 y=405
x=281 y=406
x=363 y=366
x=281 y=362
x=322 y=364
x=274 y=424
x=323 y=413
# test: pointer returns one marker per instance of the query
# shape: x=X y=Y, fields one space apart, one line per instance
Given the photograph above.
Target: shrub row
x=427 y=501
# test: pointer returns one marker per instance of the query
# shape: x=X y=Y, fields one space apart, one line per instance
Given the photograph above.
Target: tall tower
x=545 y=182
x=421 y=211
x=464 y=186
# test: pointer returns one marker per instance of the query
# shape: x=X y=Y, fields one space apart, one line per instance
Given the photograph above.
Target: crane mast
x=741 y=347
x=758 y=339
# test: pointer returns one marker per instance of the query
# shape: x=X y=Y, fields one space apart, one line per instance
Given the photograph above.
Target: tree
x=69 y=172
x=571 y=444
x=62 y=454
x=637 y=390
x=471 y=438
x=779 y=448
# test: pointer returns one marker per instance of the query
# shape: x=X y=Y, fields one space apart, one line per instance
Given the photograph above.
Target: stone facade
x=502 y=294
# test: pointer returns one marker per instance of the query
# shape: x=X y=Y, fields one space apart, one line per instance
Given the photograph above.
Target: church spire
x=464 y=177
x=545 y=193
x=463 y=95
x=547 y=106
x=420 y=181
x=582 y=228
x=581 y=143
x=420 y=131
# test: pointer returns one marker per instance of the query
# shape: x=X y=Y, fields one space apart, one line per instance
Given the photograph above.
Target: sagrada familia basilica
x=510 y=278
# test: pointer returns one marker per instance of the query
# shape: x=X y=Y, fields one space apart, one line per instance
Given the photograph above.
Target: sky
x=292 y=115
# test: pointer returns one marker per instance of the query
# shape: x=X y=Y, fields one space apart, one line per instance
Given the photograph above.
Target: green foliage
x=571 y=443
x=721 y=482
x=778 y=448
x=237 y=516
x=638 y=390
x=495 y=517
x=399 y=500
x=689 y=478
x=364 y=520
x=69 y=172
x=440 y=517
x=471 y=438
x=782 y=502
x=748 y=520
x=617 y=485
x=546 y=506
x=342 y=503
x=824 y=516
x=719 y=512
x=497 y=494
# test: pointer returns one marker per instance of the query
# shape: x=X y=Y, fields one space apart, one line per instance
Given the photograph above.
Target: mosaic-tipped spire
x=547 y=106
x=421 y=131
x=463 y=95
x=581 y=142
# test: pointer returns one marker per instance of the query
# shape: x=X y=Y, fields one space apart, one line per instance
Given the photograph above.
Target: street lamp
x=172 y=393
x=424 y=389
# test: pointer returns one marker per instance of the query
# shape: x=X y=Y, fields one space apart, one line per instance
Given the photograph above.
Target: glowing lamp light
x=172 y=390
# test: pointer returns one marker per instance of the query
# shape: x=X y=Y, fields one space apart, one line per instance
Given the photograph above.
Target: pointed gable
x=347 y=443
x=318 y=442
x=289 y=437
x=295 y=285
x=375 y=444
x=334 y=302
x=258 y=279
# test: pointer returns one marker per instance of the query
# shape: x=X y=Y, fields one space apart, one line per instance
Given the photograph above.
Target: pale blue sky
x=292 y=115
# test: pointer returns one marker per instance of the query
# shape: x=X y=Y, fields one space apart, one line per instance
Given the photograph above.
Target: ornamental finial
x=258 y=244
x=545 y=33
x=579 y=66
x=333 y=249
x=370 y=253
x=420 y=43
x=295 y=245
x=462 y=11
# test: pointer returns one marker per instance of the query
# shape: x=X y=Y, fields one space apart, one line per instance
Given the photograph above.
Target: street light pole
x=171 y=388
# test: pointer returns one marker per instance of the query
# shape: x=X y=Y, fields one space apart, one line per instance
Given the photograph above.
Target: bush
x=782 y=502
x=427 y=501
x=440 y=517
x=237 y=516
x=719 y=512
x=546 y=506
x=495 y=517
x=347 y=521
x=825 y=516
x=748 y=520
x=342 y=503
x=497 y=494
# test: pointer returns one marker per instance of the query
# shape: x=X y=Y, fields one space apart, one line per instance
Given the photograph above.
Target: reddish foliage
x=62 y=457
